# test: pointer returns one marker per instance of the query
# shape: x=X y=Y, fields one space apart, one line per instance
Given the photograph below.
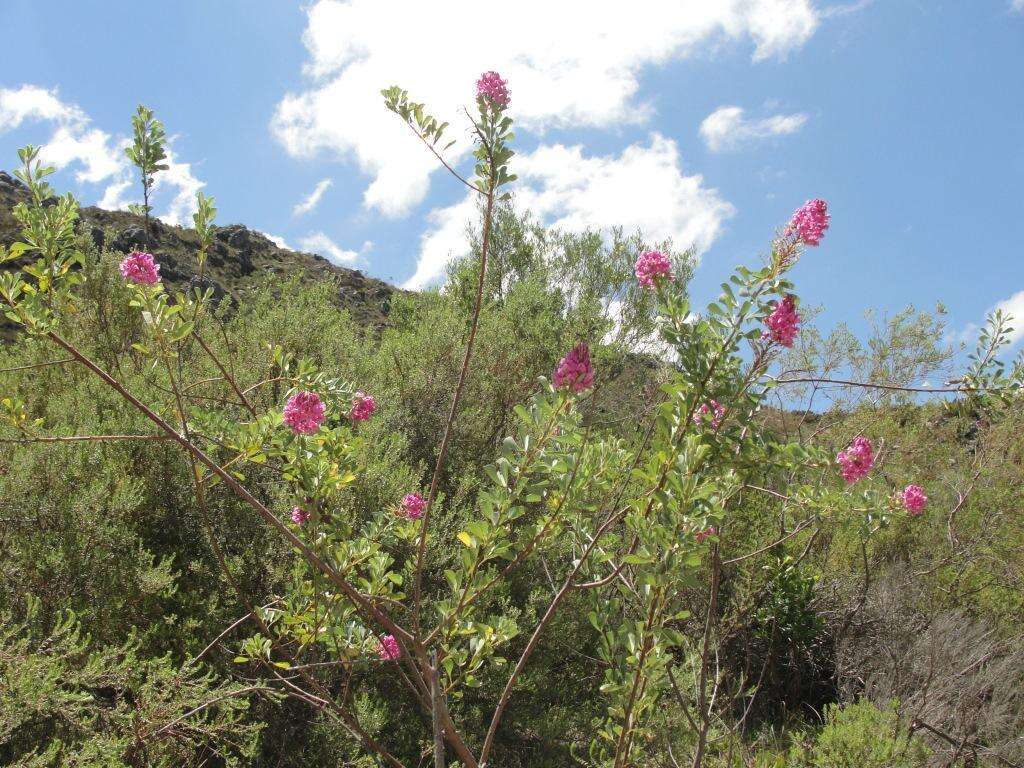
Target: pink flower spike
x=856 y=461
x=413 y=506
x=492 y=88
x=574 y=371
x=652 y=266
x=783 y=323
x=363 y=407
x=914 y=500
x=707 y=533
x=140 y=268
x=299 y=516
x=304 y=412
x=810 y=221
x=388 y=648
x=711 y=408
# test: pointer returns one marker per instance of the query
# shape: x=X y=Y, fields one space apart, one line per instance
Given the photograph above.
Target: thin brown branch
x=81 y=438
x=37 y=365
x=442 y=452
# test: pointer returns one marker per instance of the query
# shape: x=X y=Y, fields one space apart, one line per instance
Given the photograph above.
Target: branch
x=443 y=162
x=889 y=387
x=82 y=438
x=239 y=490
x=442 y=452
x=37 y=365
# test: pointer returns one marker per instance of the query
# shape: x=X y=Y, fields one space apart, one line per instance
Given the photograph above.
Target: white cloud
x=30 y=102
x=278 y=241
x=643 y=188
x=179 y=179
x=1017 y=5
x=73 y=139
x=318 y=242
x=589 y=77
x=445 y=240
x=312 y=200
x=1014 y=307
x=92 y=148
x=96 y=155
x=849 y=8
x=727 y=129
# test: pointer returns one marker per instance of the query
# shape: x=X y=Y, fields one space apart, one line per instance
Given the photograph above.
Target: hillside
x=240 y=257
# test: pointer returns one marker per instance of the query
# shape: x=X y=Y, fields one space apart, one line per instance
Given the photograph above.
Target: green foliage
x=147 y=151
x=677 y=577
x=863 y=735
x=66 y=701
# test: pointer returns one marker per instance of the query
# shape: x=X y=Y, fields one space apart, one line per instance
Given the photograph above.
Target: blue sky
x=907 y=116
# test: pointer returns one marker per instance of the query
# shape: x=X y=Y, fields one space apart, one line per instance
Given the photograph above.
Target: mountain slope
x=238 y=258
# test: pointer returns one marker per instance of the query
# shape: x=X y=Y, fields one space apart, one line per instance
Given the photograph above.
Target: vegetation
x=547 y=516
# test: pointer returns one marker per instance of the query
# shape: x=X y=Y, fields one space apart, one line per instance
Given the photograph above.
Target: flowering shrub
x=363 y=407
x=652 y=266
x=413 y=506
x=491 y=88
x=304 y=412
x=810 y=222
x=141 y=269
x=574 y=371
x=711 y=412
x=627 y=525
x=783 y=322
x=388 y=648
x=914 y=499
x=856 y=461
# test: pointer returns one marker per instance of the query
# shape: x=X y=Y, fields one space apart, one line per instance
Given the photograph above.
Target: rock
x=235 y=235
x=132 y=239
x=204 y=283
x=245 y=261
x=98 y=237
x=9 y=183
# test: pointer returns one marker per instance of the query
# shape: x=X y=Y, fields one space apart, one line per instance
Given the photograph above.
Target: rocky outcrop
x=238 y=258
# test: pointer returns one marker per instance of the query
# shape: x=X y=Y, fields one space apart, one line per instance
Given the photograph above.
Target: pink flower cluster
x=304 y=412
x=413 y=506
x=711 y=408
x=810 y=221
x=650 y=266
x=914 y=500
x=363 y=407
x=574 y=371
x=299 y=515
x=140 y=268
x=388 y=648
x=783 y=323
x=856 y=460
x=492 y=88
x=707 y=533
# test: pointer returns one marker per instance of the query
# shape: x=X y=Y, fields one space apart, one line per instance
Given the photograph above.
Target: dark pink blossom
x=388 y=648
x=783 y=323
x=652 y=266
x=140 y=268
x=914 y=500
x=856 y=461
x=810 y=221
x=299 y=515
x=712 y=411
x=574 y=371
x=707 y=533
x=413 y=506
x=304 y=412
x=363 y=407
x=493 y=89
